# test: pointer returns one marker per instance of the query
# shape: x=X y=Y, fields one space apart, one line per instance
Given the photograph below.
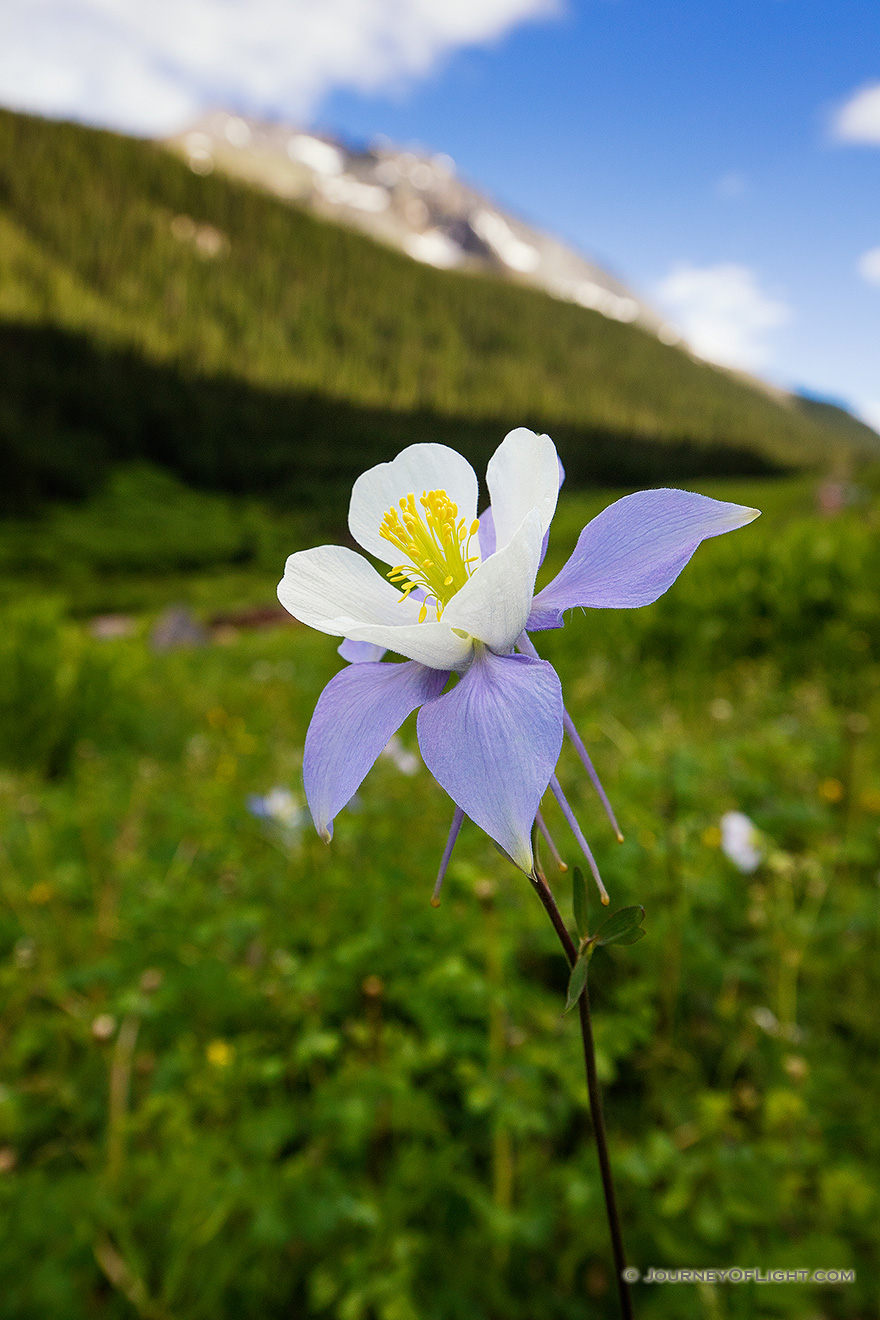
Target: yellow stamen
x=436 y=542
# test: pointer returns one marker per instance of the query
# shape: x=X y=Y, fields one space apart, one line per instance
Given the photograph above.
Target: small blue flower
x=462 y=601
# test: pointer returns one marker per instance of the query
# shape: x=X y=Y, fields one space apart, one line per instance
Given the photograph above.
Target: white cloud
x=869 y=265
x=858 y=120
x=723 y=313
x=149 y=66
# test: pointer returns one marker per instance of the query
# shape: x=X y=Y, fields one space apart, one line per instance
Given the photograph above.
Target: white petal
x=432 y=644
x=523 y=474
x=337 y=591
x=416 y=469
x=330 y=586
x=494 y=604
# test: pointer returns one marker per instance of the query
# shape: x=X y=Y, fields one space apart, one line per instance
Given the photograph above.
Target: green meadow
x=246 y=1076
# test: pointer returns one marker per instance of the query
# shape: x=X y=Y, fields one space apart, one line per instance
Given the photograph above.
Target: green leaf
x=578 y=979
x=579 y=902
x=633 y=937
x=623 y=928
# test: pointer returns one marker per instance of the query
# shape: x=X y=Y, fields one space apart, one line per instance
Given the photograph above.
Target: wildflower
x=461 y=600
x=278 y=806
x=740 y=841
x=219 y=1053
x=404 y=760
x=282 y=815
x=767 y=1020
x=830 y=790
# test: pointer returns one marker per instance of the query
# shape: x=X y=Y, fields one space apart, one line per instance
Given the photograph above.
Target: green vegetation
x=147 y=314
x=245 y=1075
x=140 y=540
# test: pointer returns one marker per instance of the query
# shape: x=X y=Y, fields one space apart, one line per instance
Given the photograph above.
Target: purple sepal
x=493 y=743
x=359 y=653
x=633 y=551
x=358 y=711
x=486 y=533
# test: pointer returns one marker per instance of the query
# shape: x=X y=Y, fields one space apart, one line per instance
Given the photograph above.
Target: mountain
x=834 y=417
x=411 y=202
x=150 y=311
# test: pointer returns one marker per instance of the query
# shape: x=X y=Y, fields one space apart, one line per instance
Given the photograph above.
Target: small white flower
x=767 y=1020
x=279 y=806
x=406 y=762
x=740 y=841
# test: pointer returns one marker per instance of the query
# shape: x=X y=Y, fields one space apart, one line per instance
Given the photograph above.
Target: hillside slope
x=413 y=202
x=150 y=313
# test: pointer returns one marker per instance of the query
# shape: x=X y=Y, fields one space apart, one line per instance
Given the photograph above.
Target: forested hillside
x=149 y=313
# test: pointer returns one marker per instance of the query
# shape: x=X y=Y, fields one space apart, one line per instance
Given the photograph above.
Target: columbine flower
x=461 y=601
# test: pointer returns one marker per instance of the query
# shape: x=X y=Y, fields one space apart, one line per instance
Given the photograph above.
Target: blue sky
x=655 y=134
x=702 y=149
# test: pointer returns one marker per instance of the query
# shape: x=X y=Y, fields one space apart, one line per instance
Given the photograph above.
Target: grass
x=246 y=1075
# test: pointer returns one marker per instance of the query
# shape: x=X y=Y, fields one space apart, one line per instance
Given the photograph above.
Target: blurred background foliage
x=246 y=1075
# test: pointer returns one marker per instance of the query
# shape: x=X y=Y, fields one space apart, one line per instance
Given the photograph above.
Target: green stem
x=549 y=902
x=120 y=1082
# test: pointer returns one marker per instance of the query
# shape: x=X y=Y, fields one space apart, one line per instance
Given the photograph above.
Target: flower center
x=436 y=542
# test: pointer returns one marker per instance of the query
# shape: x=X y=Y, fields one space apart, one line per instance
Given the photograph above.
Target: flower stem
x=544 y=893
